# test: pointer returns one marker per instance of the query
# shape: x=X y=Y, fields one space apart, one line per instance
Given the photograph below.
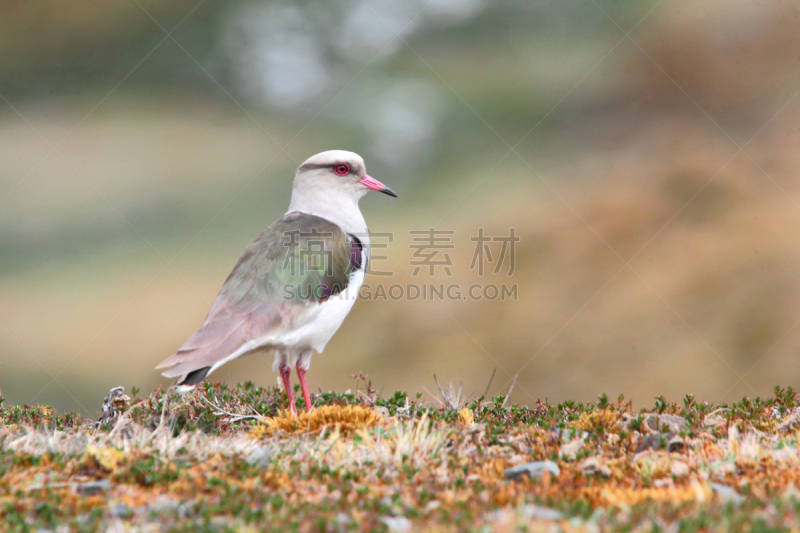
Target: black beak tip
x=389 y=191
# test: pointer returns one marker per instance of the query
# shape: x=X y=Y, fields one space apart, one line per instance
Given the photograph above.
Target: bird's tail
x=204 y=351
x=190 y=380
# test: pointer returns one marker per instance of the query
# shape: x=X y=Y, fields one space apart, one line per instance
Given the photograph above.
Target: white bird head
x=330 y=184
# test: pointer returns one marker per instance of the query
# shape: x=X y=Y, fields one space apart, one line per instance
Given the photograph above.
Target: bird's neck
x=338 y=207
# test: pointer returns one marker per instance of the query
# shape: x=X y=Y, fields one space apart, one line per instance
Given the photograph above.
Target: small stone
x=569 y=451
x=92 y=488
x=679 y=469
x=397 y=524
x=432 y=505
x=260 y=457
x=713 y=421
x=592 y=466
x=674 y=423
x=540 y=512
x=625 y=421
x=533 y=470
x=726 y=493
x=723 y=468
x=565 y=435
x=676 y=445
x=651 y=422
x=120 y=510
x=476 y=430
x=651 y=442
x=115 y=403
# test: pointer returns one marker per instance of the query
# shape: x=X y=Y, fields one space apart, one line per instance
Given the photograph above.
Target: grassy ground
x=230 y=459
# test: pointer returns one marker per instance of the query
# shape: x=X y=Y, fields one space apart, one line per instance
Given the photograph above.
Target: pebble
x=432 y=505
x=92 y=487
x=540 y=512
x=651 y=442
x=527 y=512
x=569 y=451
x=713 y=421
x=120 y=510
x=532 y=470
x=592 y=466
x=260 y=457
x=673 y=424
x=726 y=493
x=676 y=444
x=397 y=524
x=679 y=469
x=565 y=435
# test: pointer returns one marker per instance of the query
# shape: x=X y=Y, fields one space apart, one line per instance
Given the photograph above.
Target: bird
x=294 y=284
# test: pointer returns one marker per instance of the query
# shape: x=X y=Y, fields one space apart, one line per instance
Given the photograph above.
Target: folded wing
x=297 y=262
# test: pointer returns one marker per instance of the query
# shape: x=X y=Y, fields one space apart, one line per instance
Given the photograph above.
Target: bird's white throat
x=315 y=195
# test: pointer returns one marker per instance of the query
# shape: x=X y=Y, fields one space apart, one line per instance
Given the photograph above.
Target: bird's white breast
x=317 y=325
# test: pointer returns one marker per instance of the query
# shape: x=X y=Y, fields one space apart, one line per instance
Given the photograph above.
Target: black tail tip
x=194 y=377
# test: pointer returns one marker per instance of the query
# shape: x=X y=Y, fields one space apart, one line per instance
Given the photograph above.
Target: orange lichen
x=606 y=419
x=346 y=418
x=466 y=416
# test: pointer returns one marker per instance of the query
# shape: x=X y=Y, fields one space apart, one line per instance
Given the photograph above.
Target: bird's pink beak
x=375 y=185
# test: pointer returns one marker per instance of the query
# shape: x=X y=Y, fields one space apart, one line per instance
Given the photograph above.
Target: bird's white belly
x=315 y=327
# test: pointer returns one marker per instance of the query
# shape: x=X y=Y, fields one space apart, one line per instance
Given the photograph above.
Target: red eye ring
x=342 y=170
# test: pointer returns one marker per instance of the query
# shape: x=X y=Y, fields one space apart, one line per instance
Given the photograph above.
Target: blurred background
x=645 y=153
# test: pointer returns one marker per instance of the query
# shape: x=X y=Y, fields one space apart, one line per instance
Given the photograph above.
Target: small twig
x=235 y=417
x=433 y=395
x=369 y=393
x=789 y=420
x=490 y=382
x=441 y=391
x=164 y=408
x=509 y=391
x=455 y=400
x=366 y=397
x=451 y=400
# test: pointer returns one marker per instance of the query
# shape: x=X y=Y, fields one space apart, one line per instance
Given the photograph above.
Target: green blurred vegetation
x=651 y=178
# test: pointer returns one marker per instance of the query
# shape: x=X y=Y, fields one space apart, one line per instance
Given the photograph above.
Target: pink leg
x=301 y=375
x=286 y=373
